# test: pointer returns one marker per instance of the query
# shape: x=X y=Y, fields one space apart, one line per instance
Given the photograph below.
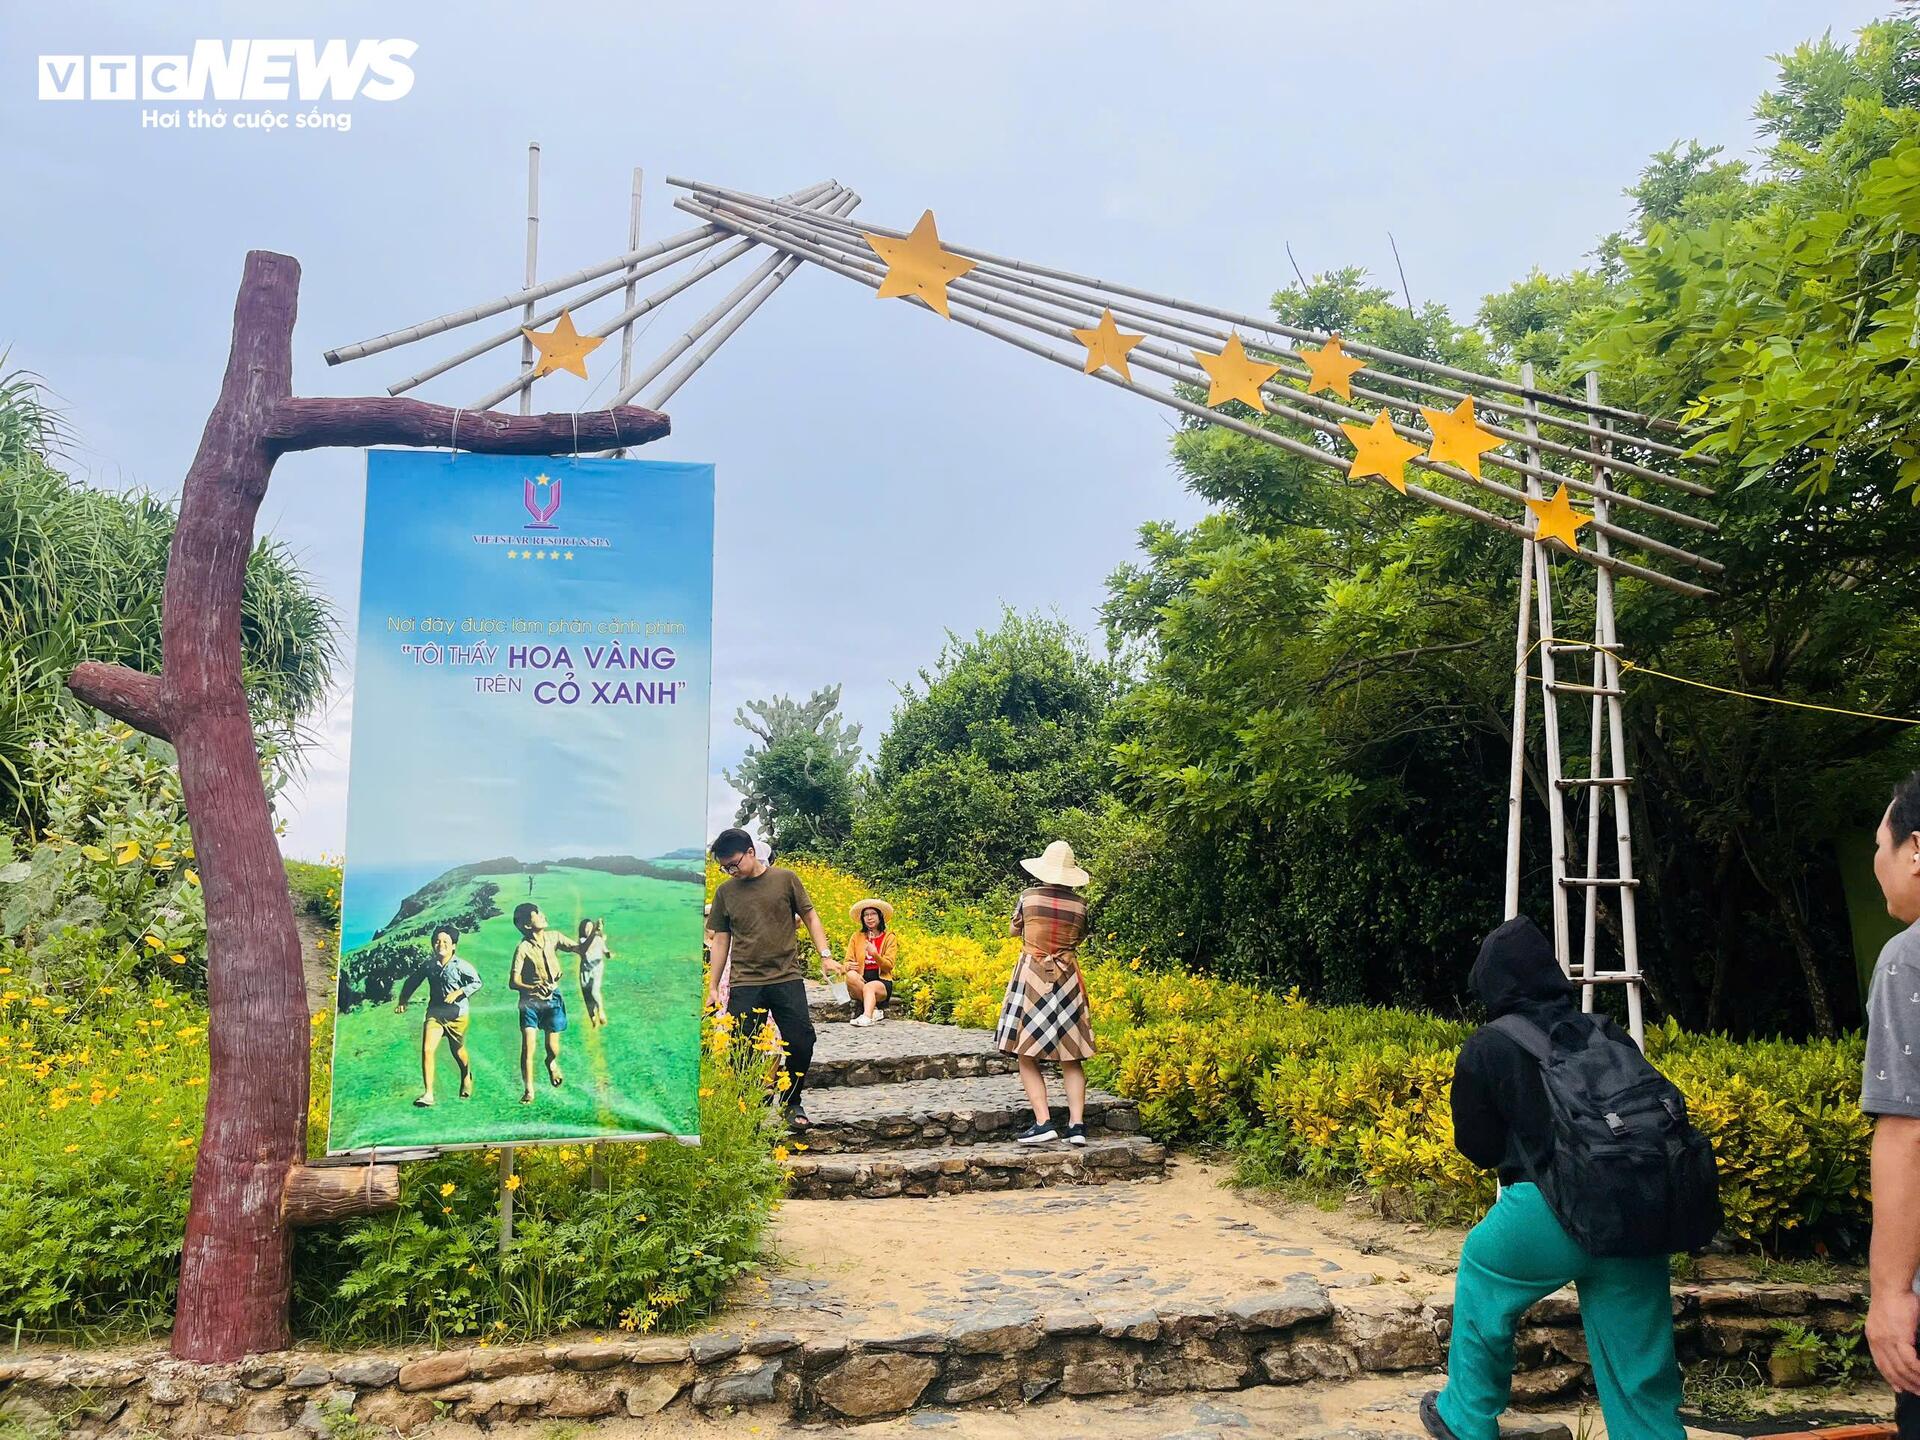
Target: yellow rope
x=1627 y=665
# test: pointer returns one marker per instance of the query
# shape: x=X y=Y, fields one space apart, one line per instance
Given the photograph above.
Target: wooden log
x=321 y=1195
x=236 y=1258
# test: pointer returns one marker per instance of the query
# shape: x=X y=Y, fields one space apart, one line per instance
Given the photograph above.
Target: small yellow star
x=539 y=554
x=917 y=265
x=1108 y=345
x=543 y=479
x=569 y=555
x=1331 y=368
x=552 y=553
x=1378 y=449
x=1556 y=519
x=1231 y=375
x=1458 y=438
x=563 y=348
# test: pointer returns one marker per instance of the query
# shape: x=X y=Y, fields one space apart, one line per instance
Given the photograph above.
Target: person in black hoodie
x=1519 y=1253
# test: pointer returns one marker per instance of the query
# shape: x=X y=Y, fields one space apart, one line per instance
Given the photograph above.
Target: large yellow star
x=1378 y=449
x=563 y=347
x=1231 y=375
x=917 y=265
x=1107 y=344
x=1331 y=368
x=1458 y=438
x=1556 y=519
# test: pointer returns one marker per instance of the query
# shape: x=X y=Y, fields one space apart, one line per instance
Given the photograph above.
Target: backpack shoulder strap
x=1527 y=1035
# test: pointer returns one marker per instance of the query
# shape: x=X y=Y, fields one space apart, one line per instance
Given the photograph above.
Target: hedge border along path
x=1358 y=1096
x=996 y=1357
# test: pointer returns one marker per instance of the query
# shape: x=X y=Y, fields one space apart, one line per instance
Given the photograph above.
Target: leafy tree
x=1311 y=776
x=798 y=781
x=80 y=579
x=999 y=738
x=1787 y=315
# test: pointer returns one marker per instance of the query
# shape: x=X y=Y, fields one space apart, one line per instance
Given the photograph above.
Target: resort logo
x=543 y=500
x=303 y=74
x=540 y=495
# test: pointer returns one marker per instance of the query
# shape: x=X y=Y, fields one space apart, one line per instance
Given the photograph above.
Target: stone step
x=958 y=1169
x=896 y=1050
x=828 y=1002
x=918 y=1114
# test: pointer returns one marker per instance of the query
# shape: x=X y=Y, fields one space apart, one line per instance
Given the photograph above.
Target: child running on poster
x=594 y=955
x=535 y=977
x=450 y=982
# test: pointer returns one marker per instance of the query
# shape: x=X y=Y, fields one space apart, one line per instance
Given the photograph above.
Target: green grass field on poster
x=638 y=1074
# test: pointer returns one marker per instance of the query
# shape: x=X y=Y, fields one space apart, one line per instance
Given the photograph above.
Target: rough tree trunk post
x=235 y=1267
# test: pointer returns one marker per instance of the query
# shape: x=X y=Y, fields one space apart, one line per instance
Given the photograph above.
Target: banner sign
x=521 y=914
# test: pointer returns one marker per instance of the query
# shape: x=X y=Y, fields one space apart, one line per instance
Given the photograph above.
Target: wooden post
x=235 y=1263
x=322 y=1194
x=506 y=1198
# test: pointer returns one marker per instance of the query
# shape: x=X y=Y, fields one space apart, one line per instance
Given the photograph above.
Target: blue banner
x=521 y=912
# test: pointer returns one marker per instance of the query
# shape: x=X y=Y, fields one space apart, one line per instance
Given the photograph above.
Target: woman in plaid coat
x=1044 y=1015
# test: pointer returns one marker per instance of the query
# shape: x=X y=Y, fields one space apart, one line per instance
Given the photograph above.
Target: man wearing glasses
x=753 y=924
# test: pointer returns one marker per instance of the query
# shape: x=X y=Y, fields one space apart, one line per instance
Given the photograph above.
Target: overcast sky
x=879 y=471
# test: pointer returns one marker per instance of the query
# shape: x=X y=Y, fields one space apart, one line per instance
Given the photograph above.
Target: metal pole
x=533 y=250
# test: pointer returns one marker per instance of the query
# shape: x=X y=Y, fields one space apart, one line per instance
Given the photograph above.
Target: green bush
x=1359 y=1097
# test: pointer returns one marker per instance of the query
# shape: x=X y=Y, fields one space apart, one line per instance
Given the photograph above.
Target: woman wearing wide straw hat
x=1044 y=1016
x=870 y=954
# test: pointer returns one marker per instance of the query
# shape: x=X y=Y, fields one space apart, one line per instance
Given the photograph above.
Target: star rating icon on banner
x=563 y=347
x=1108 y=345
x=1234 y=375
x=513 y=554
x=1556 y=519
x=918 y=266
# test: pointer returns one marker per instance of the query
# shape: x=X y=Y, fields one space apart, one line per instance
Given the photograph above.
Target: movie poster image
x=521 y=909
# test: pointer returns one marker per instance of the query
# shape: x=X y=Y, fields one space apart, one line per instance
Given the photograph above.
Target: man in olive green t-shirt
x=753 y=920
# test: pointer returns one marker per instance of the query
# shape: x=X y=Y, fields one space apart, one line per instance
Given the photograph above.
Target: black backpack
x=1628 y=1175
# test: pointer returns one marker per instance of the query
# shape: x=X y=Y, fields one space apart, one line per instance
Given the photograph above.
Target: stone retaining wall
x=1280 y=1336
x=972 y=1167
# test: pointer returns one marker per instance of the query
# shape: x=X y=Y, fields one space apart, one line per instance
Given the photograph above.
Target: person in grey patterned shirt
x=1890 y=1092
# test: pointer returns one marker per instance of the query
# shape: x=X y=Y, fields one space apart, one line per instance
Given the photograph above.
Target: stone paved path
x=902 y=1108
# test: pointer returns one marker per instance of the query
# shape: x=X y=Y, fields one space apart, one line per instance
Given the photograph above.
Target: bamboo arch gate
x=251 y=1182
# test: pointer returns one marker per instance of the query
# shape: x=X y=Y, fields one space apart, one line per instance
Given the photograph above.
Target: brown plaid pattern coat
x=1044 y=1014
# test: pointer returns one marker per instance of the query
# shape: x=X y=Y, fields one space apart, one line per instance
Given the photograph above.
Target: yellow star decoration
x=1231 y=375
x=1556 y=519
x=917 y=265
x=1458 y=438
x=1107 y=344
x=1331 y=368
x=563 y=347
x=1378 y=449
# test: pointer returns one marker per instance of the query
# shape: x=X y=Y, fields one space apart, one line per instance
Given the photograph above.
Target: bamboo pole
x=1185 y=332
x=1550 y=728
x=716 y=261
x=1185 y=370
x=453 y=319
x=533 y=250
x=1517 y=759
x=633 y=243
x=1177 y=402
x=772 y=275
x=1234 y=318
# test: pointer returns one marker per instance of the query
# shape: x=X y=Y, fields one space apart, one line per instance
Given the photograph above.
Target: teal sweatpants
x=1519 y=1254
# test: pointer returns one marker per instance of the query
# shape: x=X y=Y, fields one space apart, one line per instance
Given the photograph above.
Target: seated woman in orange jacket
x=870 y=953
